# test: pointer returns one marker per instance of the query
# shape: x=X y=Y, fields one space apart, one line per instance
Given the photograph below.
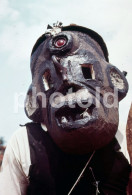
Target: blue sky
x=22 y=22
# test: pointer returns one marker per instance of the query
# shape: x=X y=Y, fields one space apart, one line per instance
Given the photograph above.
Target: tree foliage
x=2 y=141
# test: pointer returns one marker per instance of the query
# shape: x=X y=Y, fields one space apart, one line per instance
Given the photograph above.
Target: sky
x=22 y=22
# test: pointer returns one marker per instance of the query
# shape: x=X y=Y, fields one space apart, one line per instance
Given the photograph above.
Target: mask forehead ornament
x=76 y=88
x=55 y=29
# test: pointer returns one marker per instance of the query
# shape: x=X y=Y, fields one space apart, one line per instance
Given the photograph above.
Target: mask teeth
x=64 y=119
x=85 y=114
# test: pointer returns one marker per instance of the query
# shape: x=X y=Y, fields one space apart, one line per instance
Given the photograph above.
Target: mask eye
x=60 y=42
x=88 y=71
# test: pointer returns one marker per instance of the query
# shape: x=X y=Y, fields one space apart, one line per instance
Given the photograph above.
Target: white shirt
x=15 y=167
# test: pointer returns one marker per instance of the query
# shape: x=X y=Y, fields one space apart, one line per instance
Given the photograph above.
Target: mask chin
x=81 y=138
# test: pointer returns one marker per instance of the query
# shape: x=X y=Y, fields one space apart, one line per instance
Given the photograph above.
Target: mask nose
x=67 y=72
x=59 y=67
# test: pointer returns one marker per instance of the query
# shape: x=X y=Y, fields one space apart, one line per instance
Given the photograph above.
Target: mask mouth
x=73 y=116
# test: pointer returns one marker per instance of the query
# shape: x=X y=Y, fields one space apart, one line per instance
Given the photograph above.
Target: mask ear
x=117 y=80
x=32 y=106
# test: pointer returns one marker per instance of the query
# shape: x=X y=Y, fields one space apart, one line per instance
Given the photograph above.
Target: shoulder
x=19 y=147
x=19 y=138
x=21 y=132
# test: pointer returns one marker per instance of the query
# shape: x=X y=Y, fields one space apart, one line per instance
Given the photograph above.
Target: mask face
x=75 y=92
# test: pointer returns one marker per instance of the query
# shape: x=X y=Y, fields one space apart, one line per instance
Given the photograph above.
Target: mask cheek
x=117 y=81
